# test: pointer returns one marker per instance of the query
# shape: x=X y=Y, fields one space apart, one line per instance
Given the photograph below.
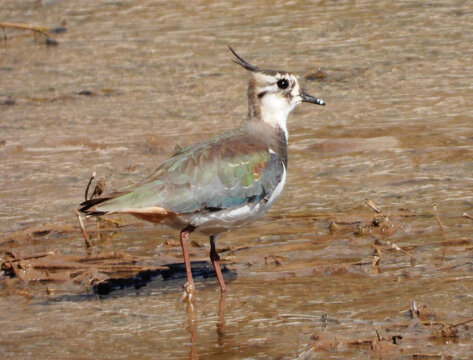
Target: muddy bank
x=105 y=271
x=373 y=258
x=412 y=335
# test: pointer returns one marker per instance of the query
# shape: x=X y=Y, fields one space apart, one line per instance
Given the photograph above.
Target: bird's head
x=279 y=90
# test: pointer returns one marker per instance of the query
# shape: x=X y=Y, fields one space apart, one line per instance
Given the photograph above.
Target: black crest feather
x=240 y=61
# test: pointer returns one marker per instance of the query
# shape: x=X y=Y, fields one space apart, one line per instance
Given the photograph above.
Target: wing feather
x=228 y=171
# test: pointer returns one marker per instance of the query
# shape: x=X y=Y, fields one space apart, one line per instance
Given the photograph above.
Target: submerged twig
x=88 y=243
x=361 y=216
x=33 y=256
x=439 y=222
x=461 y=323
x=114 y=222
x=376 y=259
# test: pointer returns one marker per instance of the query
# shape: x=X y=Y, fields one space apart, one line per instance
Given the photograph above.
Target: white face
x=279 y=94
x=283 y=85
x=281 y=90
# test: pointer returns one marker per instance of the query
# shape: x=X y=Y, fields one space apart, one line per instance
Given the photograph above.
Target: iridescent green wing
x=226 y=172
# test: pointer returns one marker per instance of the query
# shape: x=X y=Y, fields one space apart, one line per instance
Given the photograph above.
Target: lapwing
x=223 y=183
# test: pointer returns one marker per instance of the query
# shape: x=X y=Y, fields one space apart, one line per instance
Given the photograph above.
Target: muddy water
x=131 y=79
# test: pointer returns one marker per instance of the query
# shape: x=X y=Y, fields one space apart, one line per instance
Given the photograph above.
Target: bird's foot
x=189 y=289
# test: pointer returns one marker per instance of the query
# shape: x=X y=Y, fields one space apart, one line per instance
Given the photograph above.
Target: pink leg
x=215 y=258
x=189 y=286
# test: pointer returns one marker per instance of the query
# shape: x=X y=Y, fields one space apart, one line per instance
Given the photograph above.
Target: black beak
x=310 y=99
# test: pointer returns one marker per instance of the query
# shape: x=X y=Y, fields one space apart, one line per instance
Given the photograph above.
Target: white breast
x=275 y=110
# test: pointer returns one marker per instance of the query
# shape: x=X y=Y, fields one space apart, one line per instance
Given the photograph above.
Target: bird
x=222 y=183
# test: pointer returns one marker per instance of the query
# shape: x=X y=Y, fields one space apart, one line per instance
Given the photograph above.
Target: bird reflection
x=192 y=325
x=192 y=328
x=221 y=319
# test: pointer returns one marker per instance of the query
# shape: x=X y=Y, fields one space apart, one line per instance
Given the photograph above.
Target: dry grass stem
x=116 y=223
x=372 y=205
x=465 y=215
x=397 y=248
x=38 y=29
x=86 y=195
x=377 y=334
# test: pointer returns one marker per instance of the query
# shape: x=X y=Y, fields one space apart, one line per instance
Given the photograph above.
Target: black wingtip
x=86 y=205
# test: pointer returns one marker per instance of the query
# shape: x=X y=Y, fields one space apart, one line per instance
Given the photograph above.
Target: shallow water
x=397 y=129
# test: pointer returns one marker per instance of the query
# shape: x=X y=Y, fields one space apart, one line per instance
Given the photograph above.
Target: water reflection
x=221 y=319
x=192 y=328
x=192 y=325
x=397 y=130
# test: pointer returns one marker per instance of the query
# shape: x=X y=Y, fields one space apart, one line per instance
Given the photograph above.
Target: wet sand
x=323 y=275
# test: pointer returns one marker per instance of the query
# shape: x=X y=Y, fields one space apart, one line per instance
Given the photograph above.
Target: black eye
x=283 y=84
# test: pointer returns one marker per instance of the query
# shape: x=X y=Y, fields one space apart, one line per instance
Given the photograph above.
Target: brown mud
x=366 y=255
x=418 y=332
